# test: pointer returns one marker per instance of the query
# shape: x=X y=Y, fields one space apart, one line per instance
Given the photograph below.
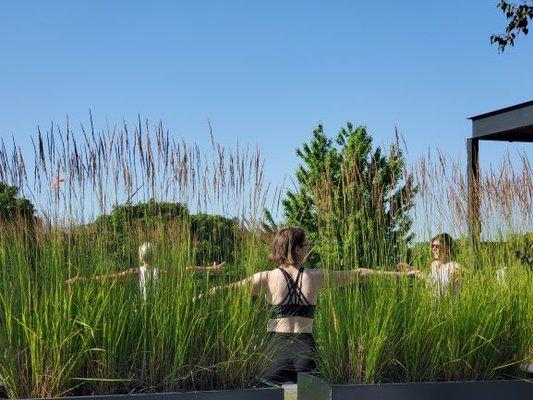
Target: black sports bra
x=295 y=304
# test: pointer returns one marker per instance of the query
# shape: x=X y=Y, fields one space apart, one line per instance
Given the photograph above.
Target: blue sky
x=263 y=72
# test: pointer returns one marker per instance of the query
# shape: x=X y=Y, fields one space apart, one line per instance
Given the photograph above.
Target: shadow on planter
x=272 y=392
x=312 y=387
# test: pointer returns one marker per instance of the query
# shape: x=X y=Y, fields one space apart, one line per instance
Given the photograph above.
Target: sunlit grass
x=101 y=337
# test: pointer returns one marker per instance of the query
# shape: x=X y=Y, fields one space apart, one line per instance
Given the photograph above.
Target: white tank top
x=147 y=277
x=442 y=276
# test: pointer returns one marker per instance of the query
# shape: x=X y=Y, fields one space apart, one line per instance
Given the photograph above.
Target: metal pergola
x=510 y=124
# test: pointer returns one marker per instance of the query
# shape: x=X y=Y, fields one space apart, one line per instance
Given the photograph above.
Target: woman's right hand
x=404 y=267
x=72 y=280
x=416 y=273
x=218 y=267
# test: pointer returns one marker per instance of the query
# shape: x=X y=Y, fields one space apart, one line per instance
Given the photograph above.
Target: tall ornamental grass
x=396 y=329
x=97 y=337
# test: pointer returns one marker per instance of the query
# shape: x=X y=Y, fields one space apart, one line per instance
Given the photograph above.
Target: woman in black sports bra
x=293 y=290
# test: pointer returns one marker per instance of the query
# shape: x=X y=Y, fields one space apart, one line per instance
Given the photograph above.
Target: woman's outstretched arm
x=258 y=282
x=335 y=278
x=120 y=276
x=215 y=268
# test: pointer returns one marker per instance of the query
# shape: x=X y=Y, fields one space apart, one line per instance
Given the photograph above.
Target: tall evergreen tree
x=352 y=199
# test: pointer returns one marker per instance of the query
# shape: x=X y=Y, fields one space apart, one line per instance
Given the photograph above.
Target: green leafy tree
x=352 y=199
x=117 y=228
x=519 y=16
x=319 y=156
x=522 y=244
x=13 y=207
x=19 y=213
x=213 y=235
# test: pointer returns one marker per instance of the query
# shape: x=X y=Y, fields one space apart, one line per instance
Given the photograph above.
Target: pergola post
x=510 y=124
x=474 y=223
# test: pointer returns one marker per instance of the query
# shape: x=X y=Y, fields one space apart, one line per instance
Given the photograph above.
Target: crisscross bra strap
x=294 y=310
x=294 y=294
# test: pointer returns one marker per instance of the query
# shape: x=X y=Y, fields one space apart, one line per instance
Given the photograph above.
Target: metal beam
x=512 y=124
x=515 y=121
x=472 y=150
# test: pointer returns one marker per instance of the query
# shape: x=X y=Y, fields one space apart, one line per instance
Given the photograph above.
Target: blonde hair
x=146 y=252
x=283 y=246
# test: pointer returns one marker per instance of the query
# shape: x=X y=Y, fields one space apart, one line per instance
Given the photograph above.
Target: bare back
x=277 y=290
x=275 y=287
x=311 y=283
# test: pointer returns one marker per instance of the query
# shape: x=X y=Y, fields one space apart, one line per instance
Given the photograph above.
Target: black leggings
x=287 y=354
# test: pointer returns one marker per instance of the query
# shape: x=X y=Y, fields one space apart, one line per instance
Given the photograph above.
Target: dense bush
x=13 y=206
x=212 y=236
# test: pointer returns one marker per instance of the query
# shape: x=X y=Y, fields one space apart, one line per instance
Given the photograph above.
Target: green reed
x=397 y=329
x=101 y=337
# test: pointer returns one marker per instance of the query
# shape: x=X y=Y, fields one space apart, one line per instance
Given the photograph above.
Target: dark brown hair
x=283 y=246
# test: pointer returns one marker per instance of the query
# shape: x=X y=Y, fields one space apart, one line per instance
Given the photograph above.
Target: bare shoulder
x=261 y=276
x=268 y=273
x=264 y=274
x=315 y=274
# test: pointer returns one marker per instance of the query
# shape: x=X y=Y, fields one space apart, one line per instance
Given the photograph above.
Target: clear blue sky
x=264 y=72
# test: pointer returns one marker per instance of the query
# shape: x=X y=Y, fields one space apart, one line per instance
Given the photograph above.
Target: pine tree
x=353 y=200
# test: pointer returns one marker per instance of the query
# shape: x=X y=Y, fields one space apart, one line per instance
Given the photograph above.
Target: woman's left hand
x=218 y=267
x=404 y=267
x=415 y=272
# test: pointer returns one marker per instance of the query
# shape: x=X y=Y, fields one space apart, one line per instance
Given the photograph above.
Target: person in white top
x=444 y=274
x=146 y=274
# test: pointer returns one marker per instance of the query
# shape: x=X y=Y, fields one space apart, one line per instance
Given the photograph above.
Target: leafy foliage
x=518 y=17
x=523 y=247
x=352 y=199
x=13 y=207
x=320 y=157
x=213 y=235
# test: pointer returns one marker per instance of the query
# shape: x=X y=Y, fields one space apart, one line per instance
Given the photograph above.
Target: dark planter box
x=265 y=393
x=312 y=387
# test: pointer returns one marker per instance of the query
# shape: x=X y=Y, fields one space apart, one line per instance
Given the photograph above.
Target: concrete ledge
x=266 y=393
x=312 y=387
